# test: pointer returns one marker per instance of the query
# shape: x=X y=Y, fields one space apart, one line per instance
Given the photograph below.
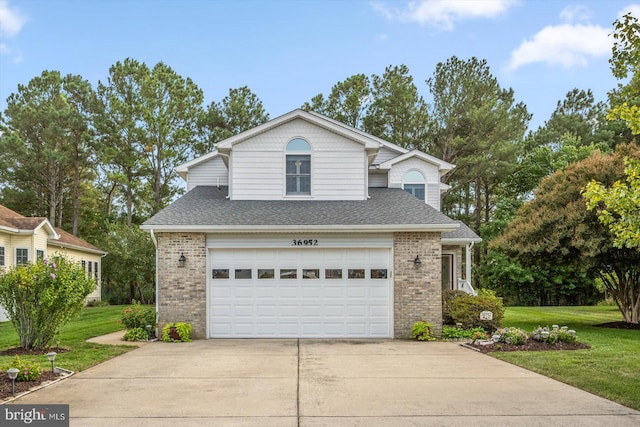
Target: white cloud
x=567 y=45
x=11 y=20
x=576 y=13
x=444 y=13
x=634 y=9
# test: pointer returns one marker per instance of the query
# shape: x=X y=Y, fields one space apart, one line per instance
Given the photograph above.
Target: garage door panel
x=309 y=305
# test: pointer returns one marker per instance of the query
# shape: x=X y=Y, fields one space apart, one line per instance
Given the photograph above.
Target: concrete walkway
x=321 y=383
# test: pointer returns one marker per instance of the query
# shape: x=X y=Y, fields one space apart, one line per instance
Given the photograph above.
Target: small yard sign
x=486 y=315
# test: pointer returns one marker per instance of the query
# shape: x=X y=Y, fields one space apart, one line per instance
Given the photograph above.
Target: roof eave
x=366 y=228
x=75 y=247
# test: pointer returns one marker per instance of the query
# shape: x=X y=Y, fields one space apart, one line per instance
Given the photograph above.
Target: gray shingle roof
x=207 y=207
x=463 y=233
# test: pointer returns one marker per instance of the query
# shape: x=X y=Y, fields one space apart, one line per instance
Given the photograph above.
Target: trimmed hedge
x=460 y=307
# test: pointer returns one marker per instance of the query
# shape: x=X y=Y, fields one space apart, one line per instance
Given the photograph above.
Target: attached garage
x=305 y=291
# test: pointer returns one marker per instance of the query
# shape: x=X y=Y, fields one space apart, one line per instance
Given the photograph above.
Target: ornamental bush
x=460 y=307
x=138 y=316
x=40 y=298
x=511 y=335
x=176 y=332
x=422 y=331
x=27 y=370
x=136 y=334
x=554 y=335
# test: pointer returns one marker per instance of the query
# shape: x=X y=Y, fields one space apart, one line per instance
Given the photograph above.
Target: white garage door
x=300 y=293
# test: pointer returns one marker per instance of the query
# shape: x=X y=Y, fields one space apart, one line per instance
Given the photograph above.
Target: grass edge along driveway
x=610 y=369
x=91 y=322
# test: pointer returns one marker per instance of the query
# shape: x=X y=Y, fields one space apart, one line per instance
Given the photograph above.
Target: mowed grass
x=611 y=368
x=92 y=322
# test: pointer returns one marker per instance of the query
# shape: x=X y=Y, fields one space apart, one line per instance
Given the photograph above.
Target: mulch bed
x=530 y=345
x=22 y=386
x=620 y=325
x=19 y=351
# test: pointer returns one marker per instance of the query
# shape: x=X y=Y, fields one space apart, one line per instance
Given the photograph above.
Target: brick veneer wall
x=182 y=291
x=417 y=290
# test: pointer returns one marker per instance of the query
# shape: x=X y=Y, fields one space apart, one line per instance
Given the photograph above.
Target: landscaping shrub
x=136 y=334
x=465 y=308
x=553 y=335
x=422 y=331
x=176 y=332
x=138 y=316
x=511 y=335
x=449 y=332
x=42 y=297
x=447 y=298
x=27 y=370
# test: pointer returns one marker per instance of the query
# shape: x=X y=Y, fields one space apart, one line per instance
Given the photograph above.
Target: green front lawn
x=611 y=368
x=92 y=322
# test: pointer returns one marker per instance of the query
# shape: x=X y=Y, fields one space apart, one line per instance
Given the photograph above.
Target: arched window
x=298 y=167
x=414 y=183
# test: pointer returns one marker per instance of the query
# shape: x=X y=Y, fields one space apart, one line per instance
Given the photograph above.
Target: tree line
x=98 y=161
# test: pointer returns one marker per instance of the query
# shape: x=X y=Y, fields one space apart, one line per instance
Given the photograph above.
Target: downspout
x=155 y=243
x=468 y=254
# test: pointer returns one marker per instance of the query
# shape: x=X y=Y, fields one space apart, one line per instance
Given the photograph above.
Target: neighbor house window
x=22 y=256
x=1 y=256
x=414 y=184
x=95 y=271
x=298 y=167
x=39 y=254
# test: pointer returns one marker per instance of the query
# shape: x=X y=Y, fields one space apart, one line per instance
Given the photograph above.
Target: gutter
x=155 y=243
x=306 y=227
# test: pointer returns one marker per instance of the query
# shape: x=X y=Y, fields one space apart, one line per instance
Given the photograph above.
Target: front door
x=447 y=272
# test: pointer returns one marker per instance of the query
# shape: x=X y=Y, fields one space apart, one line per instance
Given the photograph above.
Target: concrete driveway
x=321 y=383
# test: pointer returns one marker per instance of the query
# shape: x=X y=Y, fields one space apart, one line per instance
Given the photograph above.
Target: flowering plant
x=27 y=370
x=511 y=335
x=138 y=316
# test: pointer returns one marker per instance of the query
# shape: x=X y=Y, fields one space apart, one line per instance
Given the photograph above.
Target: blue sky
x=288 y=51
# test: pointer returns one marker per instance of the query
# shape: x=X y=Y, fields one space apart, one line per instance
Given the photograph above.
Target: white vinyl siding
x=429 y=171
x=337 y=164
x=210 y=172
x=385 y=154
x=378 y=180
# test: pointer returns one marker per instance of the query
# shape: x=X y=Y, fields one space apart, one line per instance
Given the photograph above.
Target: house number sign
x=304 y=242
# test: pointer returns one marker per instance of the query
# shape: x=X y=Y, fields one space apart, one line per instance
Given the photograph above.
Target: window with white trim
x=2 y=260
x=22 y=256
x=39 y=254
x=414 y=183
x=298 y=167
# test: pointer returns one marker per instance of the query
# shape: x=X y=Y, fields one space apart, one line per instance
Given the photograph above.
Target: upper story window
x=298 y=167
x=414 y=184
x=22 y=256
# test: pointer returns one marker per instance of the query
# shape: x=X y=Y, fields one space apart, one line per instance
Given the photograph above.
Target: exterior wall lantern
x=182 y=260
x=417 y=261
x=52 y=357
x=13 y=374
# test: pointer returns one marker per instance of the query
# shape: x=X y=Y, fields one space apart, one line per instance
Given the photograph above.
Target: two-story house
x=27 y=239
x=306 y=227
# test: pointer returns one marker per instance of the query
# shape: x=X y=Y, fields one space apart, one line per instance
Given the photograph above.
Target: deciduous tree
x=555 y=231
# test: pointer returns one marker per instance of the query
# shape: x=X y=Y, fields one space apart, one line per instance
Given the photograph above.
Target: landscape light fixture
x=52 y=357
x=417 y=261
x=13 y=374
x=182 y=260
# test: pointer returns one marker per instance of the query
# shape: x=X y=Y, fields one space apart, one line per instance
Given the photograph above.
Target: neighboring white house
x=27 y=239
x=306 y=227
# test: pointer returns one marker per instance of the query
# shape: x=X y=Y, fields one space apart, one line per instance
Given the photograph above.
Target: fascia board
x=459 y=241
x=297 y=228
x=442 y=165
x=74 y=247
